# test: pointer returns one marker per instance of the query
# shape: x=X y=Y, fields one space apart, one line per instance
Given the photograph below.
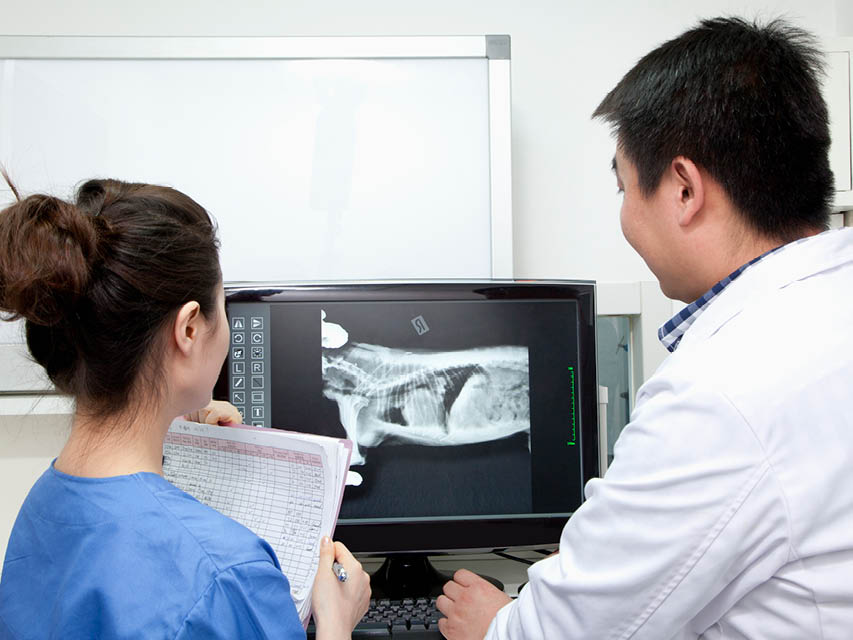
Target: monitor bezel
x=455 y=535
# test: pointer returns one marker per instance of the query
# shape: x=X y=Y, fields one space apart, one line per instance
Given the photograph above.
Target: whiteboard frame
x=18 y=375
x=495 y=49
x=236 y=48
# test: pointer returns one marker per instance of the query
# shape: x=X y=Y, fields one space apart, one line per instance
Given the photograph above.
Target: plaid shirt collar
x=673 y=330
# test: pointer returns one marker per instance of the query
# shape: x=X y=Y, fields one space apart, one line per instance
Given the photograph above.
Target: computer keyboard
x=409 y=618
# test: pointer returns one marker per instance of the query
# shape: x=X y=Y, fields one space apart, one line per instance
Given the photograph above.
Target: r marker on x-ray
x=420 y=325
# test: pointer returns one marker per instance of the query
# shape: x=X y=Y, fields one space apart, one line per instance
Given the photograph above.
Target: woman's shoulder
x=221 y=539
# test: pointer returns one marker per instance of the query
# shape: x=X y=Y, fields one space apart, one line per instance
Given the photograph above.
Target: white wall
x=844 y=15
x=565 y=56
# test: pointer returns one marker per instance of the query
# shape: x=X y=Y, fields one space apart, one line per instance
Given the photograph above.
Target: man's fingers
x=466 y=578
x=442 y=626
x=444 y=604
x=452 y=590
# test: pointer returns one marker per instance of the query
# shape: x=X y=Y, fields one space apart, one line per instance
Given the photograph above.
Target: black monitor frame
x=455 y=535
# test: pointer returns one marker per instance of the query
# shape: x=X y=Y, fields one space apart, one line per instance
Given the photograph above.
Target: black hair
x=97 y=279
x=744 y=103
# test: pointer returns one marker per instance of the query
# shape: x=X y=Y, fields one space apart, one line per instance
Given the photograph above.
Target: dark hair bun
x=49 y=246
x=102 y=276
x=93 y=196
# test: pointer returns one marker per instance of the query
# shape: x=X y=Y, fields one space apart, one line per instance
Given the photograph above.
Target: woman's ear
x=691 y=189
x=187 y=326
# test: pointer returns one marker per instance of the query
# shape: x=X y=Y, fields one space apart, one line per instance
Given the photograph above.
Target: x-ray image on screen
x=436 y=398
x=454 y=408
x=393 y=396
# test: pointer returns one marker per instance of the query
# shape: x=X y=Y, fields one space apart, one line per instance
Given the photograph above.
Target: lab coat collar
x=799 y=260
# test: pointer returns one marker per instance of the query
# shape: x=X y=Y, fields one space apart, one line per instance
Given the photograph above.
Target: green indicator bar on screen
x=574 y=420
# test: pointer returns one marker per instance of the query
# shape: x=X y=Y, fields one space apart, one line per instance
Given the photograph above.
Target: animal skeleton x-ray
x=436 y=398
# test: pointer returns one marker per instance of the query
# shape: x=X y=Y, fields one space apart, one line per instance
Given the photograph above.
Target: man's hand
x=217 y=412
x=470 y=603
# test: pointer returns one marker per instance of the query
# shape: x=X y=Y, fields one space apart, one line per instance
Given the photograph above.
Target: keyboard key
x=416 y=634
x=409 y=618
x=371 y=630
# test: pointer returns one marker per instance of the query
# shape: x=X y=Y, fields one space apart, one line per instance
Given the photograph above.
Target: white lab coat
x=728 y=510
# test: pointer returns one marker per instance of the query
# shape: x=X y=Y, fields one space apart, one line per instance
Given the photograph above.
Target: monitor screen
x=472 y=406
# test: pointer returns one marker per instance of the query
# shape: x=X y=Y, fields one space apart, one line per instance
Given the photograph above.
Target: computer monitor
x=472 y=406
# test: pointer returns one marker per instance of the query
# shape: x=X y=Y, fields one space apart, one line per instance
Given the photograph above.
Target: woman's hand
x=217 y=412
x=338 y=606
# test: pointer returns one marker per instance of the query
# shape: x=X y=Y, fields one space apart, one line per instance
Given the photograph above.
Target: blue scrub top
x=136 y=557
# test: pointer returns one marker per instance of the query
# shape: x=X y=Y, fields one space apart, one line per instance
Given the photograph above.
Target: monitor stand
x=411 y=575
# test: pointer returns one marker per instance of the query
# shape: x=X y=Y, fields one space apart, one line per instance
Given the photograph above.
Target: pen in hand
x=339 y=571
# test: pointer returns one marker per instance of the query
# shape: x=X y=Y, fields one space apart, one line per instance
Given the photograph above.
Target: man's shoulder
x=772 y=295
x=780 y=347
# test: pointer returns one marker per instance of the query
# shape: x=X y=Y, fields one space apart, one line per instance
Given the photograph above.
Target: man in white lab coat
x=728 y=509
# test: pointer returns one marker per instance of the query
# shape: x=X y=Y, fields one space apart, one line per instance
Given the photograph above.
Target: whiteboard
x=320 y=158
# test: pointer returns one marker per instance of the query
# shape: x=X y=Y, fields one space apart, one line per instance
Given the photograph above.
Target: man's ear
x=690 y=187
x=187 y=326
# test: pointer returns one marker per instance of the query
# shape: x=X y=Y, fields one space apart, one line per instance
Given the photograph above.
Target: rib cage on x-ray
x=434 y=398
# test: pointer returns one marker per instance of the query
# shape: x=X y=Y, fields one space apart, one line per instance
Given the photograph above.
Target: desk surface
x=510 y=572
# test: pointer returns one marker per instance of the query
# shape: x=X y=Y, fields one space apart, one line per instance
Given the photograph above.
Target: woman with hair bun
x=122 y=295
